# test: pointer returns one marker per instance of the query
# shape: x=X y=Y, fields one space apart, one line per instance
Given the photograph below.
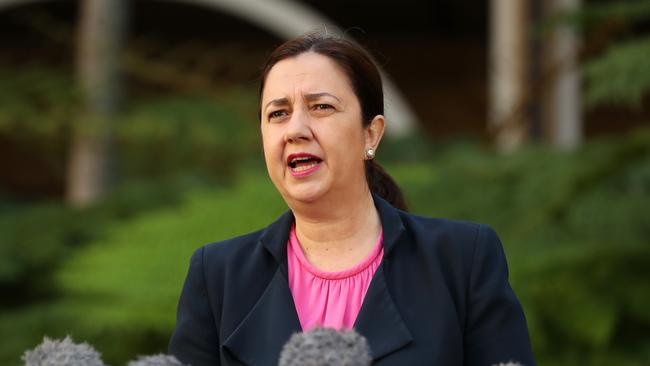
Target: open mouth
x=303 y=163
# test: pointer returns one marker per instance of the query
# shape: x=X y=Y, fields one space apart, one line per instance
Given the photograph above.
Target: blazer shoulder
x=236 y=243
x=446 y=223
x=231 y=250
x=457 y=232
x=454 y=240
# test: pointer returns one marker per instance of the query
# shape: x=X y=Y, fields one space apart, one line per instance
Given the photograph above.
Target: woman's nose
x=298 y=127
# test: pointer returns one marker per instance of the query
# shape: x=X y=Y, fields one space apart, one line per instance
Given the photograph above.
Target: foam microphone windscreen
x=62 y=353
x=326 y=347
x=157 y=360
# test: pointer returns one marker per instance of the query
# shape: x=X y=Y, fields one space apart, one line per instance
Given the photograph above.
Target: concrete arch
x=287 y=19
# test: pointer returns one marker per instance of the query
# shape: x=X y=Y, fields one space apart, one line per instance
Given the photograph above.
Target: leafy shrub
x=32 y=239
x=36 y=101
x=189 y=133
x=207 y=134
x=621 y=76
x=37 y=238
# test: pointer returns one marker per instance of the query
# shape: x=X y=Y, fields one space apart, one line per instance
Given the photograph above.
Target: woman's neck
x=337 y=235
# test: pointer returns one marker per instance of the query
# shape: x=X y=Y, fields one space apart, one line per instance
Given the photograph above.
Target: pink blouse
x=329 y=299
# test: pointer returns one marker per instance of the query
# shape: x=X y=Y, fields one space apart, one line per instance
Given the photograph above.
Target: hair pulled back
x=366 y=83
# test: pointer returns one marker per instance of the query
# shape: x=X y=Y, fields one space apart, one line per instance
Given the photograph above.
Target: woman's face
x=314 y=143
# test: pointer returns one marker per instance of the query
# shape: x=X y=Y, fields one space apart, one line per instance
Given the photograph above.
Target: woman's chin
x=304 y=194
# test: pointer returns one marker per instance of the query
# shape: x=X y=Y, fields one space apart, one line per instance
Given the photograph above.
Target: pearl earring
x=370 y=153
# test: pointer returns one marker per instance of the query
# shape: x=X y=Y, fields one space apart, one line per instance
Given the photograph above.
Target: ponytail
x=382 y=184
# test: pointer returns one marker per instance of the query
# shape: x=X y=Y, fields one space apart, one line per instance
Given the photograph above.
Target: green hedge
x=38 y=237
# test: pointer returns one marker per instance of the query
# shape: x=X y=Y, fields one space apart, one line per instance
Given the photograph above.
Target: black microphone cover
x=62 y=353
x=326 y=347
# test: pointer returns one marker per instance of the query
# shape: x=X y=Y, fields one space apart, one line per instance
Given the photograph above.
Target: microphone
x=326 y=347
x=318 y=347
x=67 y=353
x=157 y=360
x=62 y=353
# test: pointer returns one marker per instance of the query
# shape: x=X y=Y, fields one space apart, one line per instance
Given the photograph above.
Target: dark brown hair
x=366 y=83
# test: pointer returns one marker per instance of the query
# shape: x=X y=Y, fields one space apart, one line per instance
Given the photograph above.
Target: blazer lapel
x=267 y=327
x=259 y=338
x=379 y=319
x=271 y=322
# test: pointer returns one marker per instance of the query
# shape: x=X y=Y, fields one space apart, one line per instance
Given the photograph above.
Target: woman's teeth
x=303 y=163
x=302 y=166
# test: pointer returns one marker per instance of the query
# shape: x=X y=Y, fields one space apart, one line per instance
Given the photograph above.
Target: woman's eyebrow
x=313 y=96
x=277 y=102
x=309 y=97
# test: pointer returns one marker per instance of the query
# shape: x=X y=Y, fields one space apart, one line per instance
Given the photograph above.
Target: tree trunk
x=100 y=40
x=508 y=72
x=562 y=112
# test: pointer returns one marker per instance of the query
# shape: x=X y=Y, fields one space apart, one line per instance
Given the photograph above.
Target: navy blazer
x=440 y=297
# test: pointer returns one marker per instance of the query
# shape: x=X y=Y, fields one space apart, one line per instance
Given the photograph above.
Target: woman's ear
x=374 y=132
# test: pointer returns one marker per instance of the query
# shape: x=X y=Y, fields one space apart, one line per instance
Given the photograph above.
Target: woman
x=422 y=291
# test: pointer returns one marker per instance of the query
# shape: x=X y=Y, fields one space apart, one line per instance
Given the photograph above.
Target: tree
x=561 y=99
x=508 y=71
x=100 y=39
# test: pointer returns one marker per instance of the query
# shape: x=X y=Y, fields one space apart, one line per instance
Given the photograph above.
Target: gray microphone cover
x=62 y=353
x=157 y=360
x=326 y=347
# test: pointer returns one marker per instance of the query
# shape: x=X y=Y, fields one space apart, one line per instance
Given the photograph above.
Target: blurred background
x=129 y=137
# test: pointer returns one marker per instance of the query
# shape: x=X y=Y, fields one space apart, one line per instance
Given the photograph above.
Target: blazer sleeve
x=496 y=330
x=195 y=339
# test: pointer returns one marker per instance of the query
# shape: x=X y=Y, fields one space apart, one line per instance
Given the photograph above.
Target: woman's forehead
x=307 y=73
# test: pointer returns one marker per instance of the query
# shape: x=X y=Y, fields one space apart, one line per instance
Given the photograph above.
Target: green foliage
x=194 y=134
x=624 y=10
x=128 y=293
x=156 y=242
x=36 y=238
x=36 y=101
x=182 y=133
x=132 y=288
x=594 y=14
x=621 y=76
x=32 y=238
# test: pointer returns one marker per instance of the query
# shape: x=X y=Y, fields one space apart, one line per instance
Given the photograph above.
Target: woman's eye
x=277 y=114
x=323 y=106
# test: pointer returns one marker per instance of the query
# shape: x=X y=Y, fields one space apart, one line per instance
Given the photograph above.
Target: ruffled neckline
x=338 y=275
